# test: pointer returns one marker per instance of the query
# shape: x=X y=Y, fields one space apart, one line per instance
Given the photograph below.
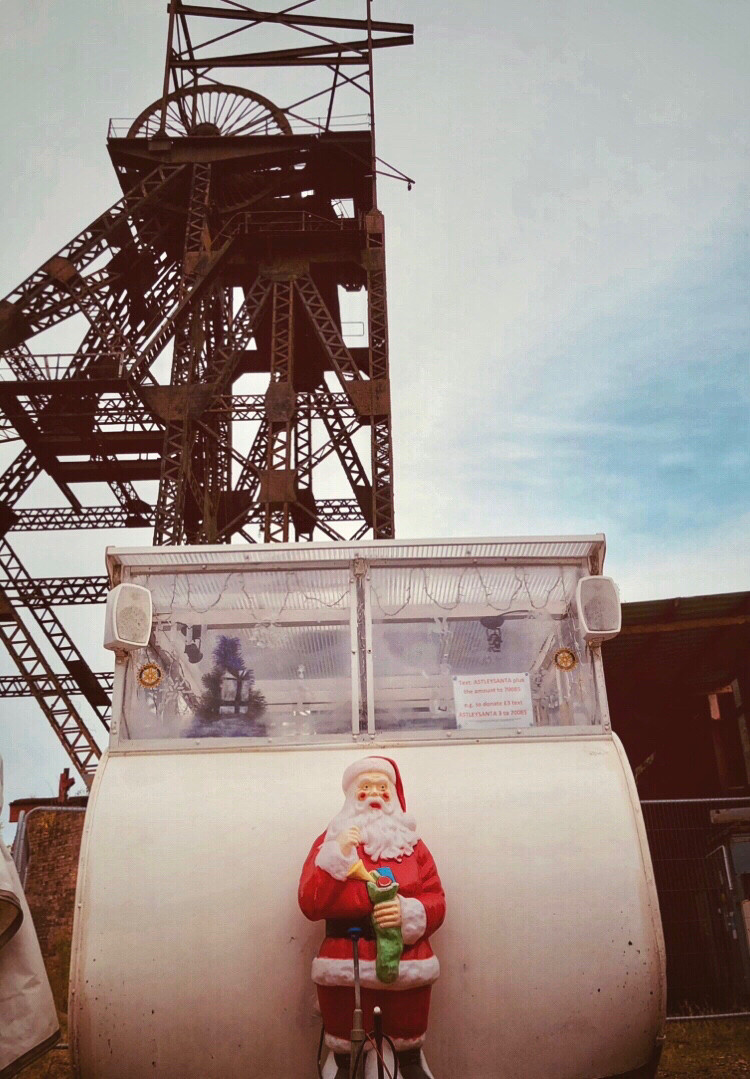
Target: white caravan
x=476 y=666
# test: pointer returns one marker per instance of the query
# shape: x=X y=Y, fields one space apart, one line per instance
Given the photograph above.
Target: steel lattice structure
x=240 y=226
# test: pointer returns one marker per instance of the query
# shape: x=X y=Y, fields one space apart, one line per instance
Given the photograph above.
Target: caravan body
x=268 y=671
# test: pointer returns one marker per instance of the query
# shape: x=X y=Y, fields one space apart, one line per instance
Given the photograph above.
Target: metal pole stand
x=358 y=1029
x=379 y=1040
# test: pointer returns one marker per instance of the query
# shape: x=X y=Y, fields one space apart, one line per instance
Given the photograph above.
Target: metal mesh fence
x=700 y=848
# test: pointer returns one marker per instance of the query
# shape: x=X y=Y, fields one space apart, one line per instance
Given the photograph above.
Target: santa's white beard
x=387 y=833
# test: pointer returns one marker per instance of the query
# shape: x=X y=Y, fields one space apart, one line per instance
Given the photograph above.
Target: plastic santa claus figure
x=374 y=829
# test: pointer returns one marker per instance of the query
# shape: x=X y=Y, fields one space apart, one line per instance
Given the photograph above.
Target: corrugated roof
x=552 y=548
x=697 y=642
x=685 y=608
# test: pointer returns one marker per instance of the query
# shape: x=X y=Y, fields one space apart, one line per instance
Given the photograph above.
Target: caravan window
x=406 y=648
x=244 y=655
x=477 y=648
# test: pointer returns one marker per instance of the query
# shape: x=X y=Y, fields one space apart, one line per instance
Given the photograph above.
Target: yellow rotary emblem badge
x=565 y=659
x=149 y=675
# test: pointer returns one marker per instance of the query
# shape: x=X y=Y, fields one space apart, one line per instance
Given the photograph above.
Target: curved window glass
x=364 y=649
x=244 y=655
x=473 y=648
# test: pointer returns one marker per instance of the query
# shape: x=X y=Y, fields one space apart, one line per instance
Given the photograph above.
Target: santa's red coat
x=325 y=892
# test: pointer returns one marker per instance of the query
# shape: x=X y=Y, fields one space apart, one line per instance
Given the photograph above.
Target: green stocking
x=389 y=942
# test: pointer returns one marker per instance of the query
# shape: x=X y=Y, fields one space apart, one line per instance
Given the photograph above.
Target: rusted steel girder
x=43 y=592
x=112 y=405
x=225 y=204
x=177 y=466
x=55 y=701
x=278 y=481
x=43 y=298
x=382 y=518
x=15 y=685
x=65 y=519
x=14 y=578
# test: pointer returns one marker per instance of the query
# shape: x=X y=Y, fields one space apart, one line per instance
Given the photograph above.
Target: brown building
x=678 y=681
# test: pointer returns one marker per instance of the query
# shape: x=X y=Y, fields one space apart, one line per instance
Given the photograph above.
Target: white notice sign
x=493 y=700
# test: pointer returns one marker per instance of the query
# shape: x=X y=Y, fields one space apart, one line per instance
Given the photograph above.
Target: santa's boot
x=410 y=1064
x=342 y=1062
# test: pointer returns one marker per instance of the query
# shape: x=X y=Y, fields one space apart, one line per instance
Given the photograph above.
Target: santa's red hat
x=375 y=764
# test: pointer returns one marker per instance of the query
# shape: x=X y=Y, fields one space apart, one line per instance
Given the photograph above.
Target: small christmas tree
x=230 y=706
x=227 y=654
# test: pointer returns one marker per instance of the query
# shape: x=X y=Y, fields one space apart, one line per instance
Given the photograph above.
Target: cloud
x=567 y=281
x=702 y=562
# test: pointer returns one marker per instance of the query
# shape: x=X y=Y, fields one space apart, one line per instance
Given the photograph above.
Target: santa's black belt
x=338 y=927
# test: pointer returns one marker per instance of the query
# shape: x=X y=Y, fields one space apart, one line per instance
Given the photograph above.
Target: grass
x=707 y=1049
x=701 y=1049
x=53 y=1065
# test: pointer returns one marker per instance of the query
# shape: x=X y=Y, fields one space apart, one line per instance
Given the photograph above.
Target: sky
x=568 y=278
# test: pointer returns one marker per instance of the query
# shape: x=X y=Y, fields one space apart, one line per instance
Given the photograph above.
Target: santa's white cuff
x=332 y=861
x=413 y=920
x=412 y=973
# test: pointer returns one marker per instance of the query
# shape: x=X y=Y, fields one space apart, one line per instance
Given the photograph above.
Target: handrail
x=118 y=127
x=20 y=852
x=305 y=220
x=52 y=365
